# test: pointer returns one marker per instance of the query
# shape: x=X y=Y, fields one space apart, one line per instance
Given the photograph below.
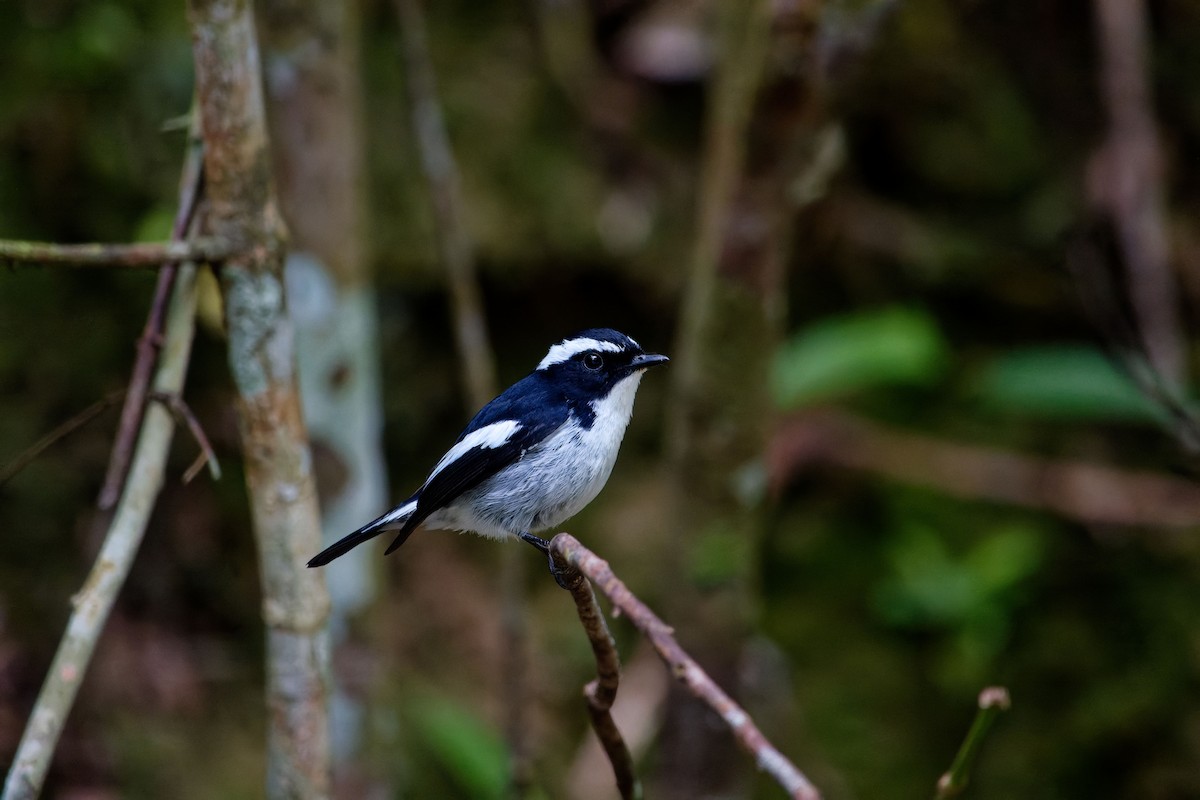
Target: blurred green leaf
x=927 y=585
x=931 y=586
x=155 y=225
x=720 y=555
x=1006 y=557
x=1063 y=381
x=107 y=32
x=466 y=746
x=845 y=354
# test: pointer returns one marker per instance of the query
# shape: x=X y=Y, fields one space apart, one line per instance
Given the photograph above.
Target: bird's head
x=596 y=360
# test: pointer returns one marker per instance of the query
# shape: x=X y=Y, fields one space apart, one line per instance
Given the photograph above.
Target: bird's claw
x=544 y=546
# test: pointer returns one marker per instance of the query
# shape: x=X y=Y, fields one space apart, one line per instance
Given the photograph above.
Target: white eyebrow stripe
x=490 y=436
x=563 y=351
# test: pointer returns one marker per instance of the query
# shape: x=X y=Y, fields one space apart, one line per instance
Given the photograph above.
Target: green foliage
x=969 y=596
x=1061 y=382
x=851 y=353
x=462 y=744
x=720 y=555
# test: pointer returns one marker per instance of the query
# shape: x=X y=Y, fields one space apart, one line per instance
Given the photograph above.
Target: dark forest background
x=961 y=485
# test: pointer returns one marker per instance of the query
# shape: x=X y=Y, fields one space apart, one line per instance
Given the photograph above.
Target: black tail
x=401 y=537
x=387 y=522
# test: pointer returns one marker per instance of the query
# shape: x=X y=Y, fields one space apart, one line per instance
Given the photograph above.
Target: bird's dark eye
x=593 y=361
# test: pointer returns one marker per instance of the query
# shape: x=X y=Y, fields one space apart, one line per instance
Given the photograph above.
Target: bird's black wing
x=535 y=408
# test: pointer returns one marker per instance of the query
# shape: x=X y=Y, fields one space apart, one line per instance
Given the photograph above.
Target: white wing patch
x=564 y=350
x=399 y=512
x=489 y=436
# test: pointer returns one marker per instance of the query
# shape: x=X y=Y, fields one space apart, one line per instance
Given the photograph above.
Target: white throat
x=614 y=410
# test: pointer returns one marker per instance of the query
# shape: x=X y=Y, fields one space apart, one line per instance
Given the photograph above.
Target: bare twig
x=190 y=188
x=1091 y=258
x=1074 y=489
x=183 y=413
x=1127 y=181
x=95 y=600
x=9 y=470
x=992 y=701
x=142 y=255
x=449 y=212
x=601 y=692
x=571 y=558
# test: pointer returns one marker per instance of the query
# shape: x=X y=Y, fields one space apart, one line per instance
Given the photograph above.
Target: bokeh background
x=955 y=484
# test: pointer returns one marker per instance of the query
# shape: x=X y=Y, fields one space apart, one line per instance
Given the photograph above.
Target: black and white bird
x=534 y=456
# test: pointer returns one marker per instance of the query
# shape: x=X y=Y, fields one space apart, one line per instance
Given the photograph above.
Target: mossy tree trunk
x=242 y=209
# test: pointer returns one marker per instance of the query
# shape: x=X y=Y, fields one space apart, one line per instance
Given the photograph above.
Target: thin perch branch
x=601 y=692
x=992 y=701
x=142 y=255
x=571 y=558
x=95 y=600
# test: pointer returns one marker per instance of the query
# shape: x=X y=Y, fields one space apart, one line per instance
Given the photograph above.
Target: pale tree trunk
x=311 y=72
x=241 y=207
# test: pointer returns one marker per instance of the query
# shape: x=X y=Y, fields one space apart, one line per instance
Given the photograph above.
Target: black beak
x=647 y=360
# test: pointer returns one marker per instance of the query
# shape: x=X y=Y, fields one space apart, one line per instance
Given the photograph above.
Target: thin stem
x=572 y=558
x=1127 y=181
x=183 y=413
x=449 y=210
x=95 y=600
x=142 y=255
x=12 y=468
x=190 y=187
x=992 y=701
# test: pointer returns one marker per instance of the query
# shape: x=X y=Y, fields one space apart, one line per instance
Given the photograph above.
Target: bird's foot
x=544 y=546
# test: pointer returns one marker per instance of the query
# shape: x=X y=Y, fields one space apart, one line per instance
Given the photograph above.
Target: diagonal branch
x=142 y=255
x=91 y=606
x=9 y=470
x=190 y=187
x=183 y=414
x=572 y=558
